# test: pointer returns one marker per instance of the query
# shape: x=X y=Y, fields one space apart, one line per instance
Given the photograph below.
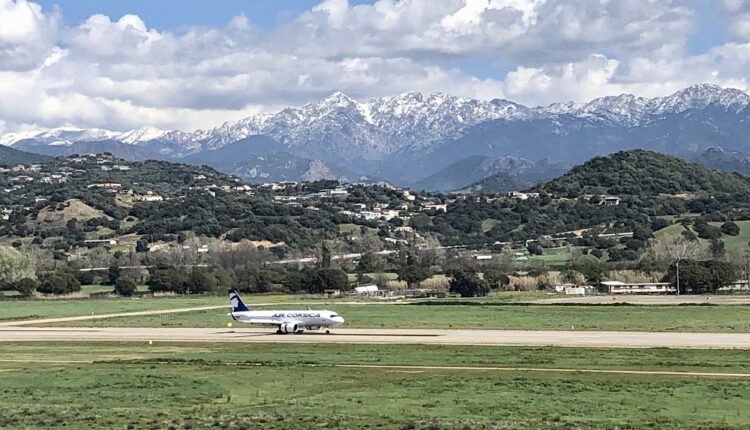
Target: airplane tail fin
x=237 y=304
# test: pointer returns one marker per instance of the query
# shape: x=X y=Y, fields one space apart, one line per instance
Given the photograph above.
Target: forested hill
x=640 y=172
x=10 y=157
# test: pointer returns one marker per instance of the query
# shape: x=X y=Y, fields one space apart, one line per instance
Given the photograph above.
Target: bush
x=125 y=287
x=85 y=278
x=468 y=284
x=26 y=287
x=59 y=283
x=730 y=229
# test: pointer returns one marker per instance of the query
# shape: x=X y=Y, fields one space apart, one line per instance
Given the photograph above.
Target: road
x=594 y=339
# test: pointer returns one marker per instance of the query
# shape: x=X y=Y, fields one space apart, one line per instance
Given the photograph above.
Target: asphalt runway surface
x=593 y=339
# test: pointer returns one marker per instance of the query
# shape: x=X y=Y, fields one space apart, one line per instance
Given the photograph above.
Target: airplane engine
x=289 y=328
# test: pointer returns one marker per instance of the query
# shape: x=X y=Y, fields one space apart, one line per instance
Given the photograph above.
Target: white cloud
x=120 y=73
x=27 y=34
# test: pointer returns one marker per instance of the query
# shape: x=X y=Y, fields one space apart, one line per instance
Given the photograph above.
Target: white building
x=366 y=289
x=618 y=287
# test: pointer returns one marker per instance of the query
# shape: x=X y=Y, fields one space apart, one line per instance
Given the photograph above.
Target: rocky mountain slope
x=409 y=137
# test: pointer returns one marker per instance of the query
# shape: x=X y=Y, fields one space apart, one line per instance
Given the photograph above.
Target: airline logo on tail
x=237 y=304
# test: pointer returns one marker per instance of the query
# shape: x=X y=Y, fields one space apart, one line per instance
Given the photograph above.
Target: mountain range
x=435 y=142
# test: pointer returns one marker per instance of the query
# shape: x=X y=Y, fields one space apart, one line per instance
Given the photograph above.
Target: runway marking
x=545 y=369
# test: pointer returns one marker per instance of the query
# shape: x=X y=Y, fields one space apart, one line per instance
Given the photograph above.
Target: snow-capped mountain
x=410 y=136
x=629 y=110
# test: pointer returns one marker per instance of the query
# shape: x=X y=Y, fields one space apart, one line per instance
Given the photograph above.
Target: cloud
x=121 y=73
x=27 y=34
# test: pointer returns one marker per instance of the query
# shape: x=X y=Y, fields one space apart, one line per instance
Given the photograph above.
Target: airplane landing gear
x=328 y=331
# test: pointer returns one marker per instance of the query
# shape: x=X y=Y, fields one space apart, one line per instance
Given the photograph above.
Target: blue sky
x=186 y=64
x=171 y=14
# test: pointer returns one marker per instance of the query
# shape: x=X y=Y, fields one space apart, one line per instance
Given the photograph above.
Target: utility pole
x=678 y=276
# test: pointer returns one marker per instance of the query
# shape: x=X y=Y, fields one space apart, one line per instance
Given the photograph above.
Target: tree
x=325 y=257
x=113 y=274
x=703 y=276
x=534 y=248
x=412 y=274
x=730 y=229
x=706 y=231
x=125 y=287
x=330 y=279
x=666 y=250
x=496 y=279
x=572 y=277
x=14 y=266
x=59 y=283
x=25 y=287
x=590 y=267
x=717 y=248
x=468 y=284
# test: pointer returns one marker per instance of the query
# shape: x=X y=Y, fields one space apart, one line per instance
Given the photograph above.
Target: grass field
x=533 y=317
x=553 y=256
x=32 y=309
x=731 y=243
x=183 y=386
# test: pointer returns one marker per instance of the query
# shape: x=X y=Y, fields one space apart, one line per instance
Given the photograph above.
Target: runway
x=592 y=339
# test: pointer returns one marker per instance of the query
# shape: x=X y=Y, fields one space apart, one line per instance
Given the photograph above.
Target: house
x=100 y=242
x=336 y=192
x=611 y=201
x=574 y=290
x=370 y=289
x=482 y=257
x=108 y=185
x=436 y=207
x=152 y=198
x=332 y=293
x=618 y=287
x=522 y=196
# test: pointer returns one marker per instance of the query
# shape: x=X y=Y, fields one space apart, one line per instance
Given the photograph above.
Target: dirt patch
x=50 y=216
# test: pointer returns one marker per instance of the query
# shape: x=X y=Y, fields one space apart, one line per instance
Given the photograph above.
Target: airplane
x=285 y=321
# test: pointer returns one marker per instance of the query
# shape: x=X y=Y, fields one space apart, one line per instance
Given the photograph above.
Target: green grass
x=273 y=386
x=726 y=318
x=736 y=243
x=553 y=256
x=731 y=243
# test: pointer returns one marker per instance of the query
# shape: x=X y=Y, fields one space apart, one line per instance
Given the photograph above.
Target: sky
x=191 y=64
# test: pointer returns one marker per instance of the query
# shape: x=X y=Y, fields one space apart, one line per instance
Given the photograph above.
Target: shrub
x=125 y=287
x=730 y=229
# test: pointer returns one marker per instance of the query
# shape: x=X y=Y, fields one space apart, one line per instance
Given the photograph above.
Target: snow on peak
x=144 y=134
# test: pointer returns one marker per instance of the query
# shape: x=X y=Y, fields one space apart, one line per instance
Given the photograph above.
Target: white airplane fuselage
x=290 y=321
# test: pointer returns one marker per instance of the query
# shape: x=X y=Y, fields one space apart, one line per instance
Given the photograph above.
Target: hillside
x=498 y=183
x=118 y=149
x=721 y=159
x=467 y=171
x=11 y=156
x=406 y=138
x=640 y=172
